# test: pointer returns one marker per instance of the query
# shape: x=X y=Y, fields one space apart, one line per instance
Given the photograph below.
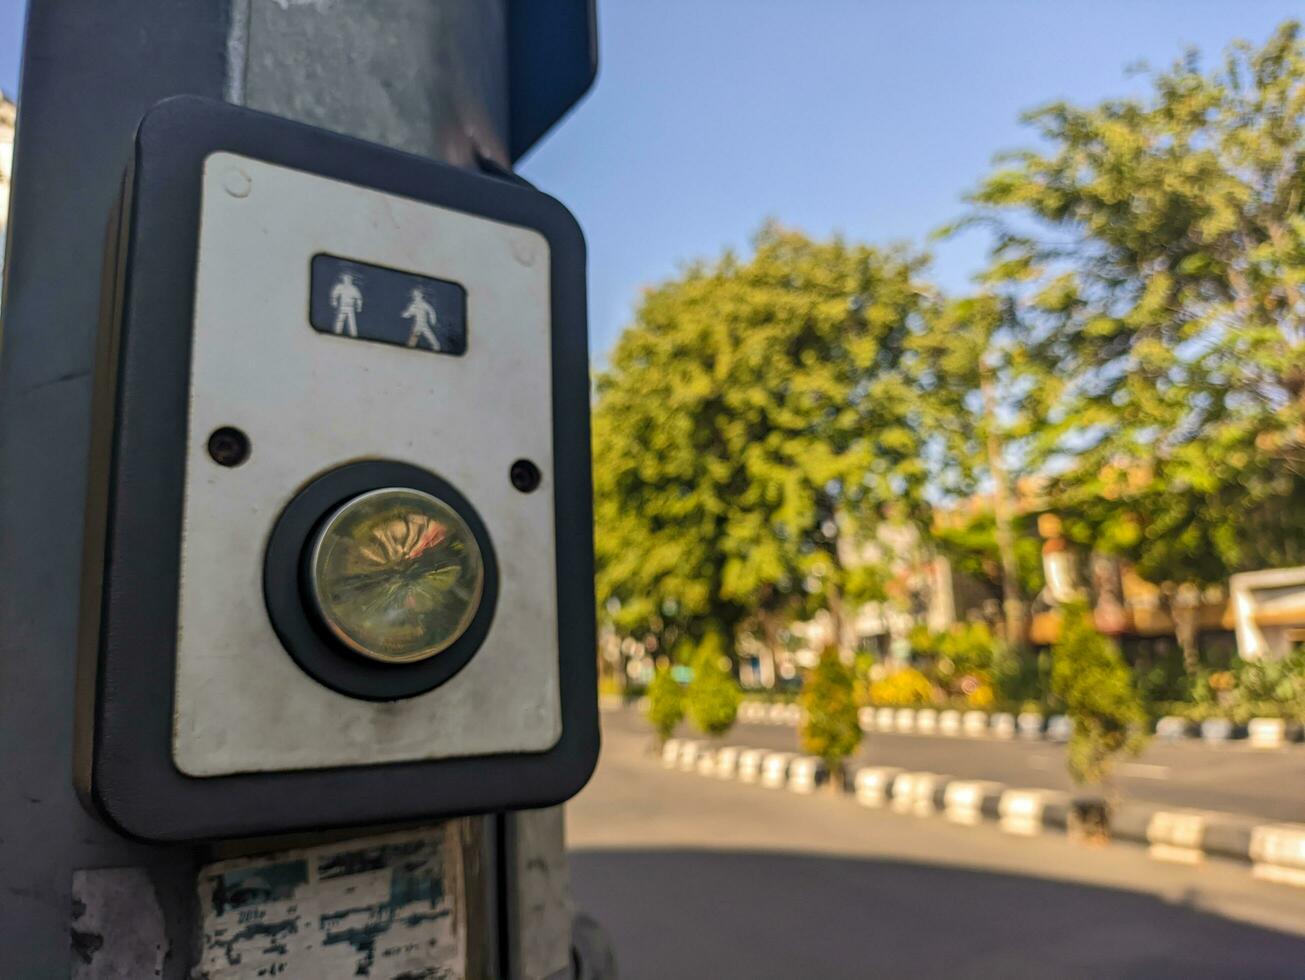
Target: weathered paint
x=541 y=899
x=383 y=907
x=117 y=926
x=429 y=78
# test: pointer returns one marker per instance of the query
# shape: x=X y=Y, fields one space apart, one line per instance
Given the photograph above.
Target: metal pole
x=427 y=76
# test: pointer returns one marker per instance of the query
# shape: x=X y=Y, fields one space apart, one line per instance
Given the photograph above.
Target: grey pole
x=427 y=76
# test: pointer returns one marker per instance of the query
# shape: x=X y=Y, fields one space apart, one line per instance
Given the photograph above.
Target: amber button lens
x=396 y=575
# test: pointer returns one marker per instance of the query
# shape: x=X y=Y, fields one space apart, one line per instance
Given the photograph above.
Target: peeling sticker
x=384 y=908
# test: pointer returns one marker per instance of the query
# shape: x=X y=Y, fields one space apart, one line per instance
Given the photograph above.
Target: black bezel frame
x=285 y=588
x=126 y=682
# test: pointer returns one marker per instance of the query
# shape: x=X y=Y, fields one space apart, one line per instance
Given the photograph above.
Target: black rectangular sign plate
x=355 y=299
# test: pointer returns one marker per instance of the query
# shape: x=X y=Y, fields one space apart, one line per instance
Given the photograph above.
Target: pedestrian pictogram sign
x=351 y=298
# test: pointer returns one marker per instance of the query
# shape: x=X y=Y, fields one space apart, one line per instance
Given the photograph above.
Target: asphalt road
x=1233 y=777
x=699 y=878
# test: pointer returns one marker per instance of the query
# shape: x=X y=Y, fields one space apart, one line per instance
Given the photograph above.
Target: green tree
x=665 y=704
x=1157 y=249
x=969 y=540
x=1092 y=681
x=978 y=390
x=830 y=729
x=752 y=418
x=713 y=696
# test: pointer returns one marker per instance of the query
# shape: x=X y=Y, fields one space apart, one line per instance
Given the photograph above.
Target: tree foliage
x=830 y=729
x=752 y=416
x=1132 y=360
x=1091 y=680
x=970 y=544
x=978 y=389
x=1157 y=247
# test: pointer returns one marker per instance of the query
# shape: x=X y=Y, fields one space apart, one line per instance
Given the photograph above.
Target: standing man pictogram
x=348 y=302
x=422 y=315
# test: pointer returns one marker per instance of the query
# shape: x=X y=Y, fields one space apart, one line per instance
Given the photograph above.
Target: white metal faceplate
x=310 y=402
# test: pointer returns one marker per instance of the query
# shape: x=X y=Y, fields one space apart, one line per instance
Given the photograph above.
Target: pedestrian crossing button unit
x=339 y=557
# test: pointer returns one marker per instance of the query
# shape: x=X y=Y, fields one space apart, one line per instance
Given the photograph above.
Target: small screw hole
x=228 y=446
x=524 y=475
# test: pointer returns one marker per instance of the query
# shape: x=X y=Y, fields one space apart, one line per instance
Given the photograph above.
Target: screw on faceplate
x=228 y=446
x=237 y=182
x=524 y=475
x=523 y=250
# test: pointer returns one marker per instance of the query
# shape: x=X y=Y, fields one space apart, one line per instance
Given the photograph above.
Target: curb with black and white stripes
x=1258 y=733
x=1275 y=851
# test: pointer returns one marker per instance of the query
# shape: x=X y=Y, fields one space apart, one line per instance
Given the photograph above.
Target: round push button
x=396 y=575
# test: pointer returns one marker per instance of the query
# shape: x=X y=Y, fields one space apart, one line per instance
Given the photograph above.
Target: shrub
x=970 y=648
x=1161 y=674
x=665 y=704
x=923 y=641
x=830 y=729
x=1091 y=679
x=713 y=695
x=1251 y=689
x=1269 y=688
x=1017 y=679
x=973 y=666
x=981 y=696
x=904 y=688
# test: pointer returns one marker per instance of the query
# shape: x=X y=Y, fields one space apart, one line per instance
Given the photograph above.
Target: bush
x=1248 y=689
x=904 y=688
x=830 y=729
x=1161 y=674
x=1020 y=679
x=713 y=696
x=1095 y=685
x=981 y=697
x=665 y=704
x=1175 y=709
x=1245 y=711
x=972 y=666
x=970 y=648
x=1269 y=688
x=953 y=659
x=771 y=695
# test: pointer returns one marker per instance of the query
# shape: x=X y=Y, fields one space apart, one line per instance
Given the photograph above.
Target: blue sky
x=869 y=117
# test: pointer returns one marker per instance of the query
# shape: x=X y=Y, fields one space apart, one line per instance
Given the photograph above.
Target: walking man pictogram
x=348 y=302
x=422 y=316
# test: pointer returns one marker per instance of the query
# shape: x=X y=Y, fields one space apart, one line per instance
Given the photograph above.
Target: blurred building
x=1267 y=611
x=920 y=589
x=1256 y=614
